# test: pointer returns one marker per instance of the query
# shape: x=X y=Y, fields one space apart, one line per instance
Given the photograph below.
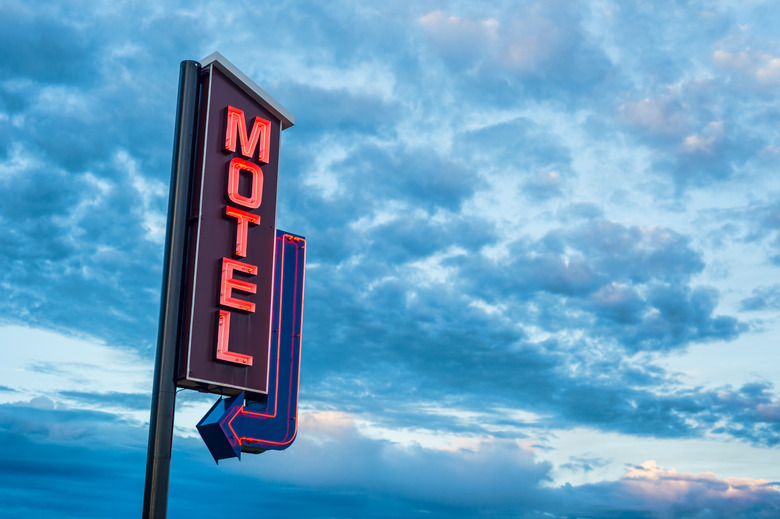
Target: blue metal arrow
x=236 y=424
x=214 y=429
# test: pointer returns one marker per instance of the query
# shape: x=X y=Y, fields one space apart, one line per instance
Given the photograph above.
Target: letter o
x=256 y=189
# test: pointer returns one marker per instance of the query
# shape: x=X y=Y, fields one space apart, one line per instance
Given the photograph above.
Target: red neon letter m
x=235 y=129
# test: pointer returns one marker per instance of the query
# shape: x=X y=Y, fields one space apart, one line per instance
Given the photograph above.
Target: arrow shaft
x=276 y=426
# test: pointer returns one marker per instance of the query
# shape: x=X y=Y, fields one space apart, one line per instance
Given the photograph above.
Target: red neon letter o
x=256 y=189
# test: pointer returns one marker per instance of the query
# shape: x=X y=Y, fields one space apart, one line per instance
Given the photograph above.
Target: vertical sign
x=226 y=329
x=222 y=294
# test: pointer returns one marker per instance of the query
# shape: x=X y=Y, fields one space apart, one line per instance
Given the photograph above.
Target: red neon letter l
x=223 y=342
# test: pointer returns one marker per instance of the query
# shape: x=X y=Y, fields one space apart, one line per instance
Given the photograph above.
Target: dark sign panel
x=226 y=327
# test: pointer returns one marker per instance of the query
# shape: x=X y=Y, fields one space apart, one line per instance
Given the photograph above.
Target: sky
x=543 y=267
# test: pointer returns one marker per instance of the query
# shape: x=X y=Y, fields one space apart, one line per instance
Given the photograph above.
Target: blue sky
x=543 y=256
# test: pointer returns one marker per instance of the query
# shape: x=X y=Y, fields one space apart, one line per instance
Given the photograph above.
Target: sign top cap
x=250 y=87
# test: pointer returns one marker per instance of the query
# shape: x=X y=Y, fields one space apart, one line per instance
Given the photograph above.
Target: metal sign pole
x=158 y=460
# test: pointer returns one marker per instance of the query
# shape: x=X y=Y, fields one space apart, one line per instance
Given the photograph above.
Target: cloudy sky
x=543 y=269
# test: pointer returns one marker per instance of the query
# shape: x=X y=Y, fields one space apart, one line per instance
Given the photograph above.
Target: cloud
x=755 y=410
x=693 y=141
x=648 y=490
x=760 y=227
x=536 y=48
x=333 y=469
x=507 y=211
x=77 y=372
x=56 y=51
x=568 y=314
x=331 y=459
x=693 y=492
x=707 y=142
x=696 y=107
x=460 y=37
x=545 y=184
x=487 y=472
x=629 y=281
x=755 y=69
x=655 y=116
x=763 y=298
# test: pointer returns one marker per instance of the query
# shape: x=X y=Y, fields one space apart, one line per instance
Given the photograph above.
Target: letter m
x=236 y=130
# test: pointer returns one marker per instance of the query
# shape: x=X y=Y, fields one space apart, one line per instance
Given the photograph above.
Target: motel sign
x=226 y=331
x=232 y=300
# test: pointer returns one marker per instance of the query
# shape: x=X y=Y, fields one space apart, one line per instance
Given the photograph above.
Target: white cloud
x=431 y=270
x=19 y=161
x=458 y=32
x=324 y=174
x=331 y=451
x=654 y=115
x=662 y=488
x=38 y=363
x=524 y=43
x=707 y=141
x=365 y=78
x=614 y=450
x=760 y=69
x=148 y=191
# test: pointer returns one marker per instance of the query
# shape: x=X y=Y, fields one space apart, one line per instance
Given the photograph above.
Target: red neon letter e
x=228 y=284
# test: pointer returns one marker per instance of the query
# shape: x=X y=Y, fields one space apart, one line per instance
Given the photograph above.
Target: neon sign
x=240 y=330
x=226 y=333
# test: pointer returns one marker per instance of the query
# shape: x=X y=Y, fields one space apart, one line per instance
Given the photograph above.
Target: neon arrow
x=240 y=424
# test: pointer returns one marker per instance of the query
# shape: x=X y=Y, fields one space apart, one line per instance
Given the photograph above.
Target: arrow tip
x=215 y=429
